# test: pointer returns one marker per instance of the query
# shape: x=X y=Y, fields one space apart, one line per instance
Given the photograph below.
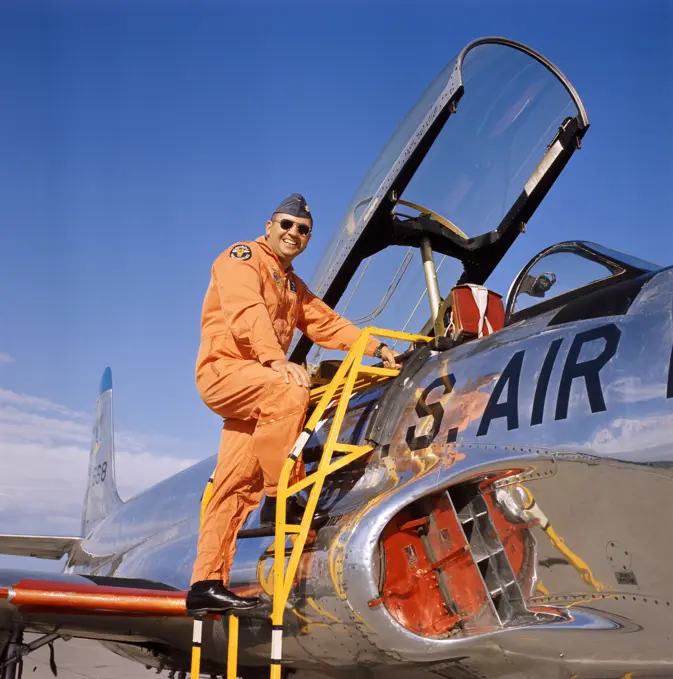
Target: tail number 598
x=98 y=474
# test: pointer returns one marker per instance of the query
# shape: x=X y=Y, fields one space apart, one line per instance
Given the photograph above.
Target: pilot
x=251 y=309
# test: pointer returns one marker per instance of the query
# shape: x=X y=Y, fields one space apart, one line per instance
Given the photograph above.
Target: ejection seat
x=469 y=312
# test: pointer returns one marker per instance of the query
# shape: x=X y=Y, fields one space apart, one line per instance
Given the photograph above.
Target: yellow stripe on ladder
x=197 y=635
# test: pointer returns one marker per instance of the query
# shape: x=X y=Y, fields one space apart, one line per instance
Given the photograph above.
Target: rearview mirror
x=538 y=287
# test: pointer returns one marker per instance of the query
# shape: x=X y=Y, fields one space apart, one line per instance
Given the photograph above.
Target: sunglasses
x=287 y=224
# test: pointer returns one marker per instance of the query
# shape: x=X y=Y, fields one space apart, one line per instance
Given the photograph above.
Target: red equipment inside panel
x=411 y=591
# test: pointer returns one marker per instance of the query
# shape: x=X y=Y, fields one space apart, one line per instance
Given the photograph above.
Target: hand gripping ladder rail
x=350 y=376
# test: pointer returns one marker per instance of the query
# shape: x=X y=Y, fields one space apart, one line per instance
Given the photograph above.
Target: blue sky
x=140 y=139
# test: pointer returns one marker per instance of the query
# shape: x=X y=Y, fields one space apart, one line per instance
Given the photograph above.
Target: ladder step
x=370 y=370
x=360 y=382
x=257 y=533
x=264 y=532
x=348 y=448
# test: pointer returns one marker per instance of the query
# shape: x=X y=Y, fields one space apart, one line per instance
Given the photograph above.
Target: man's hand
x=287 y=368
x=388 y=357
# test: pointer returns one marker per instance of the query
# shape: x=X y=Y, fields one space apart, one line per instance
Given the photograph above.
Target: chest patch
x=240 y=252
x=293 y=285
x=277 y=277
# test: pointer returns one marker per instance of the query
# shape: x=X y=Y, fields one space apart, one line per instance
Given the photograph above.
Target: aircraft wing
x=89 y=606
x=107 y=609
x=142 y=620
x=40 y=546
x=86 y=606
x=48 y=592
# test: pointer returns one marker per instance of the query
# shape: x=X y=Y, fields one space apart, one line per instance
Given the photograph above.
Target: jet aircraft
x=504 y=520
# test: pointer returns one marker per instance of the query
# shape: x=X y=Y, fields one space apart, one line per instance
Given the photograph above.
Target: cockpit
x=452 y=190
x=569 y=271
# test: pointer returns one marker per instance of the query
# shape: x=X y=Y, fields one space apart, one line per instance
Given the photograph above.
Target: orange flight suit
x=250 y=312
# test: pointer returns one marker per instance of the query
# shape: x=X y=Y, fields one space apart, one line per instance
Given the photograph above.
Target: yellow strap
x=205 y=498
x=577 y=563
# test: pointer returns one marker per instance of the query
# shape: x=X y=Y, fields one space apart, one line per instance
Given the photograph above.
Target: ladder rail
x=232 y=650
x=284 y=577
x=345 y=378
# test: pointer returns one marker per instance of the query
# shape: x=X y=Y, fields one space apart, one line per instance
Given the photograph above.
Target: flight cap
x=295 y=206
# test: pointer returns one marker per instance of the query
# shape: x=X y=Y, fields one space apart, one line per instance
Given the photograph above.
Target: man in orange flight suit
x=252 y=307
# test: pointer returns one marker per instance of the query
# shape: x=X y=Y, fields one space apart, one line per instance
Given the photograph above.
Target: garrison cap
x=295 y=206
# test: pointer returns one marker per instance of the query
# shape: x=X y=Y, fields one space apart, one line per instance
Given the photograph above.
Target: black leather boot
x=211 y=596
x=293 y=515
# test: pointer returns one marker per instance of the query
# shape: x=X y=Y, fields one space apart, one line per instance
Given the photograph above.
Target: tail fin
x=101 y=493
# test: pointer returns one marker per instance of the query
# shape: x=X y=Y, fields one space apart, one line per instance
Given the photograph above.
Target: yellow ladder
x=342 y=384
x=350 y=376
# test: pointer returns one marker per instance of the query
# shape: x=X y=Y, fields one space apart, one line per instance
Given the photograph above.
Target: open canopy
x=467 y=166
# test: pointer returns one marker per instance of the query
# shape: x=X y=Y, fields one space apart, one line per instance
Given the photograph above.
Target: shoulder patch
x=240 y=252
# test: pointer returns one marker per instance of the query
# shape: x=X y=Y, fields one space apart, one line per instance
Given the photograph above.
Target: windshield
x=479 y=164
x=623 y=258
x=559 y=273
x=388 y=291
x=569 y=266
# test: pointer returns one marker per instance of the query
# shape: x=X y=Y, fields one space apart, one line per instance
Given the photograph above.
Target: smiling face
x=287 y=243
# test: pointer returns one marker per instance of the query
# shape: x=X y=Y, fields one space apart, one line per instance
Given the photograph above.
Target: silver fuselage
x=597 y=463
